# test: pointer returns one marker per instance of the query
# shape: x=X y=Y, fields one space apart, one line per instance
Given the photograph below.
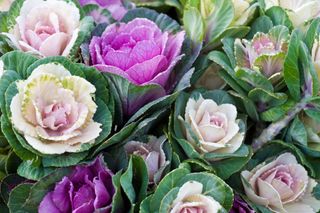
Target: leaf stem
x=274 y=129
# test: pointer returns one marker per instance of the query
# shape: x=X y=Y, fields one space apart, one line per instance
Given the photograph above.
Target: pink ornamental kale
x=138 y=51
x=87 y=189
x=265 y=52
x=115 y=7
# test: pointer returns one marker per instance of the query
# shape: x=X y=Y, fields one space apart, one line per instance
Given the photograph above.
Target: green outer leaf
x=8 y=95
x=222 y=60
x=254 y=79
x=118 y=204
x=164 y=22
x=17 y=197
x=188 y=149
x=129 y=97
x=13 y=141
x=6 y=44
x=71 y=67
x=185 y=80
x=219 y=20
x=311 y=76
x=291 y=68
x=212 y=186
x=25 y=144
x=43 y=186
x=310 y=152
x=154 y=106
x=243 y=151
x=116 y=138
x=193 y=23
x=159 y=3
x=313 y=113
x=18 y=61
x=228 y=47
x=298 y=131
x=12 y=163
x=7 y=183
x=145 y=205
x=219 y=96
x=116 y=158
x=141 y=179
x=312 y=32
x=63 y=160
x=7 y=78
x=277 y=112
x=104 y=117
x=8 y=20
x=279 y=17
x=315 y=162
x=195 y=165
x=103 y=90
x=30 y=171
x=316 y=191
x=248 y=104
x=261 y=24
x=179 y=110
x=135 y=180
x=270 y=98
x=86 y=26
x=225 y=168
x=233 y=32
x=165 y=185
x=167 y=200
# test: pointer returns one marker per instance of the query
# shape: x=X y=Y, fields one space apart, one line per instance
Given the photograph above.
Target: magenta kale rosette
x=89 y=188
x=138 y=51
x=147 y=50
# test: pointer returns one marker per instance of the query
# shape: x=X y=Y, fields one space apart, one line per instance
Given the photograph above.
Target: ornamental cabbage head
x=265 y=52
x=54 y=110
x=138 y=51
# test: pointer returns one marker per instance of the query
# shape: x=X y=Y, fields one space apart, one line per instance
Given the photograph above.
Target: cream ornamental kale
x=54 y=110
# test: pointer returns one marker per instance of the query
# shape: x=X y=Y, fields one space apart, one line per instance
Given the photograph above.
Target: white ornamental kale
x=54 y=110
x=46 y=28
x=215 y=126
x=282 y=185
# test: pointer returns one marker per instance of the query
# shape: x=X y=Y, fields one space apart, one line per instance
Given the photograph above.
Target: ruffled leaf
x=219 y=20
x=279 y=17
x=291 y=69
x=29 y=198
x=194 y=24
x=134 y=180
x=254 y=78
x=164 y=22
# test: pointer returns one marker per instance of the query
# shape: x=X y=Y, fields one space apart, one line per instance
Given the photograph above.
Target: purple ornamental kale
x=87 y=189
